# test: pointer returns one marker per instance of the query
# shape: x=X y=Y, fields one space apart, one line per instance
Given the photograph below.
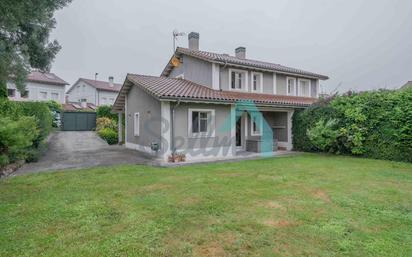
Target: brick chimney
x=240 y=52
x=193 y=40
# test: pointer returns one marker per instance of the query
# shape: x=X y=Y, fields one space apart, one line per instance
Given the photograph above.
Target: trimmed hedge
x=374 y=124
x=109 y=135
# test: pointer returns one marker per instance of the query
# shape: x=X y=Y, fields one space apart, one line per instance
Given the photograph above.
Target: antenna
x=176 y=34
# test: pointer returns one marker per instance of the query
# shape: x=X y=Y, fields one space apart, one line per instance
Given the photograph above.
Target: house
x=40 y=86
x=407 y=85
x=93 y=91
x=206 y=105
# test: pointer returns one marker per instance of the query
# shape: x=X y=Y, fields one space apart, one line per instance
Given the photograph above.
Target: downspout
x=172 y=127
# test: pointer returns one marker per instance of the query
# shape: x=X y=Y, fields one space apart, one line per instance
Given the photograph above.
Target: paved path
x=81 y=149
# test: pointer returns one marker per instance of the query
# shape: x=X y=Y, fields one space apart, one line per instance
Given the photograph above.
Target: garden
x=107 y=124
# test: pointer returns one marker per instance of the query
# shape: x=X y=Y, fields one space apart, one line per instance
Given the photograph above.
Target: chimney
x=111 y=81
x=240 y=52
x=193 y=40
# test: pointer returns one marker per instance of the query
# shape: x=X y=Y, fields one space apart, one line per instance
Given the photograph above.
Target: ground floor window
x=256 y=125
x=11 y=92
x=136 y=124
x=201 y=122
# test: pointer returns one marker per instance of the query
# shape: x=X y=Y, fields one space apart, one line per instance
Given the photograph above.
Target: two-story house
x=40 y=86
x=206 y=104
x=93 y=92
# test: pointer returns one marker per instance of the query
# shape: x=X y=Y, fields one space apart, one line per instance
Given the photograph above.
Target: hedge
x=374 y=124
x=23 y=122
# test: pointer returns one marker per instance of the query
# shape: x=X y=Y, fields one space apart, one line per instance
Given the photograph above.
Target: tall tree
x=25 y=26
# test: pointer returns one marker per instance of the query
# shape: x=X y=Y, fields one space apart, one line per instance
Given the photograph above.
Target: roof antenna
x=95 y=76
x=176 y=34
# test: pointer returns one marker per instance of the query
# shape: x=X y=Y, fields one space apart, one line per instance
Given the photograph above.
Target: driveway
x=82 y=149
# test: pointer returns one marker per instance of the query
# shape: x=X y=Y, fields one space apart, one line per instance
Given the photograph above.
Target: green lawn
x=308 y=205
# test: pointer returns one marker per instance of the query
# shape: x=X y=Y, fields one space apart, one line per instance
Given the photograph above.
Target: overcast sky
x=358 y=44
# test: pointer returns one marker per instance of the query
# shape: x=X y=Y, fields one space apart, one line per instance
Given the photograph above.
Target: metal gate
x=78 y=121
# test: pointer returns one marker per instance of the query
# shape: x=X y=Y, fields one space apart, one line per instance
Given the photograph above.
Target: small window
x=55 y=96
x=201 y=122
x=136 y=124
x=43 y=95
x=304 y=87
x=83 y=100
x=257 y=82
x=256 y=124
x=291 y=86
x=11 y=92
x=237 y=80
x=24 y=94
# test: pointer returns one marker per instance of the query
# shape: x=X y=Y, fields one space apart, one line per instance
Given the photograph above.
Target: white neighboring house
x=40 y=86
x=93 y=91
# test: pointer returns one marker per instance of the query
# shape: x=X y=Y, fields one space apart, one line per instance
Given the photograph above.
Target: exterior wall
x=138 y=101
x=35 y=89
x=281 y=84
x=82 y=90
x=214 y=145
x=194 y=70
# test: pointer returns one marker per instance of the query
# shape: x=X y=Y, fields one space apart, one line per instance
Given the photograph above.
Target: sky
x=360 y=45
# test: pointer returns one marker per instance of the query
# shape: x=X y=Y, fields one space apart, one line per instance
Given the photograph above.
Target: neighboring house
x=214 y=105
x=407 y=85
x=40 y=86
x=73 y=107
x=94 y=91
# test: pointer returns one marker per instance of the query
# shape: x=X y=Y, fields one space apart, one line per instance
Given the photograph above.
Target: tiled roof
x=45 y=77
x=98 y=84
x=173 y=89
x=232 y=60
x=103 y=85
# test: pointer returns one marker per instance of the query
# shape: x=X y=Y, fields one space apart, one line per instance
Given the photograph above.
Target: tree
x=25 y=26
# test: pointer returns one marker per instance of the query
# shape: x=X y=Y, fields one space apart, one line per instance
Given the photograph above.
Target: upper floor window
x=55 y=96
x=291 y=86
x=43 y=95
x=257 y=82
x=304 y=87
x=237 y=79
x=201 y=122
x=11 y=92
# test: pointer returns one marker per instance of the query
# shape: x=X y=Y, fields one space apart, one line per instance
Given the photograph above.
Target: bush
x=109 y=135
x=16 y=136
x=102 y=123
x=106 y=111
x=323 y=135
x=370 y=124
x=43 y=115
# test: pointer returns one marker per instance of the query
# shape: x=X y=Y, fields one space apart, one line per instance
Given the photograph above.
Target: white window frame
x=136 y=124
x=300 y=87
x=260 y=86
x=252 y=120
x=180 y=76
x=45 y=93
x=211 y=127
x=287 y=86
x=246 y=86
x=56 y=93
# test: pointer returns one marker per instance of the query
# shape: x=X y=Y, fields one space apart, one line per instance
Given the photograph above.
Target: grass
x=308 y=205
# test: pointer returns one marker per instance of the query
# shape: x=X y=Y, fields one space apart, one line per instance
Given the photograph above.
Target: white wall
x=82 y=90
x=40 y=92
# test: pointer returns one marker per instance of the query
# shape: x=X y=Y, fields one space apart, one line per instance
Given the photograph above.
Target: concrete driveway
x=82 y=149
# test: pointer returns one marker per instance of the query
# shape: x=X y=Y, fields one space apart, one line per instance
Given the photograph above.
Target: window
x=43 y=95
x=104 y=100
x=83 y=100
x=24 y=94
x=55 y=96
x=84 y=88
x=256 y=123
x=11 y=92
x=291 y=86
x=304 y=87
x=201 y=122
x=237 y=79
x=257 y=79
x=136 y=124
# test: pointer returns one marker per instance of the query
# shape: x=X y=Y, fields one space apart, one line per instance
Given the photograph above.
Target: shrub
x=56 y=110
x=43 y=115
x=371 y=124
x=106 y=111
x=16 y=136
x=323 y=135
x=104 y=122
x=109 y=135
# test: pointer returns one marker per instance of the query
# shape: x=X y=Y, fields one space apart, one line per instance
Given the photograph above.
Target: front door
x=239 y=131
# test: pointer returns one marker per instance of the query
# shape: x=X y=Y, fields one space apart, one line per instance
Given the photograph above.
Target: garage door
x=79 y=121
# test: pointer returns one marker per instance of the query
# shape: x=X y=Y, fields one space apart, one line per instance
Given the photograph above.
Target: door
x=239 y=132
